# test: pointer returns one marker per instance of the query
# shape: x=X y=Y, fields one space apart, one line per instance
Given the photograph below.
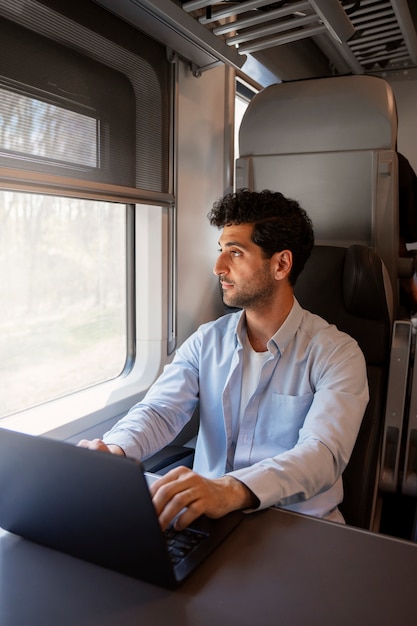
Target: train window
x=57 y=119
x=243 y=95
x=36 y=130
x=86 y=182
x=78 y=58
x=253 y=77
x=63 y=323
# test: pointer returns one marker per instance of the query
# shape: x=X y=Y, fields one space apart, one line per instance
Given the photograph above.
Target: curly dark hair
x=279 y=223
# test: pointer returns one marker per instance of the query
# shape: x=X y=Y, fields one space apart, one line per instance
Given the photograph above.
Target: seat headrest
x=363 y=284
x=346 y=287
x=320 y=115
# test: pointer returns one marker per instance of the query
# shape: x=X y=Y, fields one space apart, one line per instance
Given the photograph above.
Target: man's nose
x=219 y=268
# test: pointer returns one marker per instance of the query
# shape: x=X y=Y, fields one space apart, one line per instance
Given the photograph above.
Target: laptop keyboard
x=181 y=542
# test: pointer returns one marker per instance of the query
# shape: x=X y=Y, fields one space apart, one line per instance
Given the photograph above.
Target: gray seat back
x=330 y=145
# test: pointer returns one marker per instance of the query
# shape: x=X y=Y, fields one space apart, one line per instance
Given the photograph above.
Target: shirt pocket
x=285 y=417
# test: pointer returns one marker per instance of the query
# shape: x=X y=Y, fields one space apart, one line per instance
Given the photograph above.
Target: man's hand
x=184 y=493
x=98 y=444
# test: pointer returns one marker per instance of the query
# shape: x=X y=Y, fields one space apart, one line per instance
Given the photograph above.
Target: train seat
x=348 y=287
x=330 y=144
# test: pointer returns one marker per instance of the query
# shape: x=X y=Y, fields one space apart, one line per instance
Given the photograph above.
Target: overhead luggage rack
x=365 y=36
x=355 y=36
x=385 y=36
x=253 y=25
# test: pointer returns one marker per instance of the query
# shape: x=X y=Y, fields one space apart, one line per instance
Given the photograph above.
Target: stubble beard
x=258 y=298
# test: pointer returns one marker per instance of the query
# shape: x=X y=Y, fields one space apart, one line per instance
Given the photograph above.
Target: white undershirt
x=252 y=367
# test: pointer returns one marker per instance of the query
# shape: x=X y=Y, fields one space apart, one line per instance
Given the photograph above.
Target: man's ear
x=282 y=264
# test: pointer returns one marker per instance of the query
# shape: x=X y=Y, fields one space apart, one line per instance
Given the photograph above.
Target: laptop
x=97 y=507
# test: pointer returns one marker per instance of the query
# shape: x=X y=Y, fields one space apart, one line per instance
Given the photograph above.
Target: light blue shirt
x=298 y=429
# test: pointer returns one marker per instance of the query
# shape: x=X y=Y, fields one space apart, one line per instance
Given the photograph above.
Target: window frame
x=151 y=329
x=151 y=293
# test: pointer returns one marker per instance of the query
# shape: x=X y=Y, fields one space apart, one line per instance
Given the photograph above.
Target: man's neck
x=262 y=325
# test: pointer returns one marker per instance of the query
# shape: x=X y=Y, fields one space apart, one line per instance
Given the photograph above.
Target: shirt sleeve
x=169 y=404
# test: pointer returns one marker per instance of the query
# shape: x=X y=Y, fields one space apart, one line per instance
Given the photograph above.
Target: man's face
x=245 y=274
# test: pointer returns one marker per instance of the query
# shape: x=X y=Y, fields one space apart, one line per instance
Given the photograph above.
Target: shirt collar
x=288 y=329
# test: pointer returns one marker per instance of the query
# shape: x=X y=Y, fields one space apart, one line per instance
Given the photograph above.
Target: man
x=282 y=393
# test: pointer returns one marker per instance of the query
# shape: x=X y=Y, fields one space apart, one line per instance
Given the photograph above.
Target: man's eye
x=236 y=252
